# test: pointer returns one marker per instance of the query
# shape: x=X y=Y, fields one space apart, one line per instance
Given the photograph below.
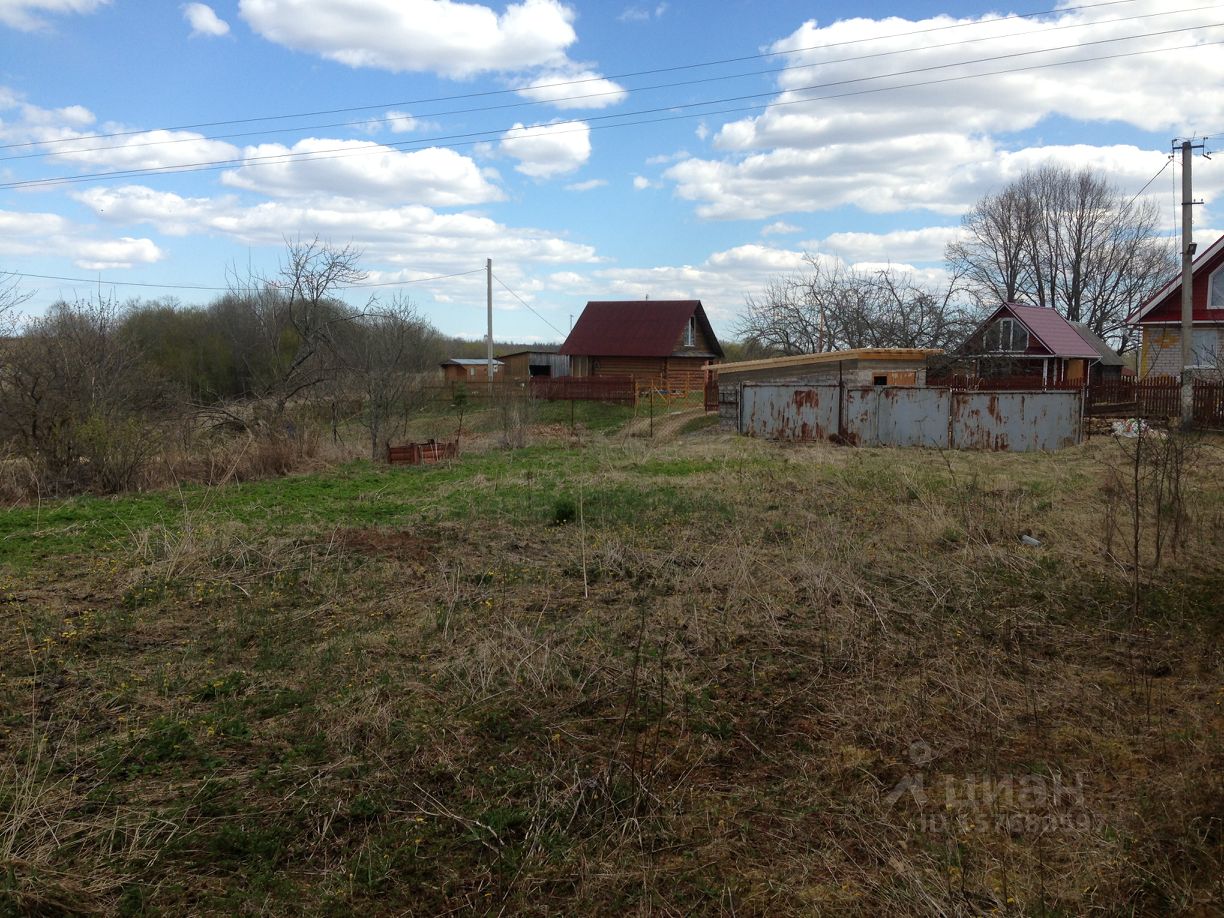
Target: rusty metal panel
x=913 y=417
x=886 y=416
x=788 y=412
x=1017 y=421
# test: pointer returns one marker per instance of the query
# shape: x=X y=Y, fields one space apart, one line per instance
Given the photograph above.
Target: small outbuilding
x=866 y=366
x=470 y=369
x=539 y=361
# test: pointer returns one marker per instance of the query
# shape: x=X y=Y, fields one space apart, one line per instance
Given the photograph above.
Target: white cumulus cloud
x=546 y=150
x=42 y=234
x=827 y=141
x=442 y=36
x=204 y=21
x=362 y=169
x=574 y=88
x=29 y=15
x=392 y=238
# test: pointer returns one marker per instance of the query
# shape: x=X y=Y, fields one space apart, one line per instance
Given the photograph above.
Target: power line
x=111 y=283
x=1159 y=172
x=595 y=95
x=563 y=83
x=528 y=305
x=583 y=123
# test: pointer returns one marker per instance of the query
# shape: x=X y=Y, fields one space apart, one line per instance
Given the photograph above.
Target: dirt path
x=666 y=424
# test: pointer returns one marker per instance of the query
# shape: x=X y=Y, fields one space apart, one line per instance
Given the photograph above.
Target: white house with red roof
x=1038 y=343
x=1159 y=319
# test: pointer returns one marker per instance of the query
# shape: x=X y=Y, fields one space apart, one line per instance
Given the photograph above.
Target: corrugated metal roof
x=1055 y=332
x=469 y=362
x=634 y=328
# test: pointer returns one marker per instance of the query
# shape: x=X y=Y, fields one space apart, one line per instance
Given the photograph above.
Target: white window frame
x=690 y=332
x=1215 y=289
x=1204 y=344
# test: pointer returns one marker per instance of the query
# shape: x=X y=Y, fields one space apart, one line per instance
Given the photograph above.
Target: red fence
x=1159 y=397
x=1209 y=404
x=584 y=388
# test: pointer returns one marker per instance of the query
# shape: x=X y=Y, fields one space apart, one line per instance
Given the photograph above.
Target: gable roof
x=635 y=328
x=1109 y=357
x=1208 y=260
x=468 y=362
x=1055 y=333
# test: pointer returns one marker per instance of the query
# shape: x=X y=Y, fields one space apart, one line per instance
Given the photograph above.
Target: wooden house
x=1033 y=342
x=470 y=369
x=666 y=340
x=1159 y=319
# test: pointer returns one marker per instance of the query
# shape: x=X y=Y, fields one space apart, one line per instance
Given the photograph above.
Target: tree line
x=1056 y=237
x=85 y=388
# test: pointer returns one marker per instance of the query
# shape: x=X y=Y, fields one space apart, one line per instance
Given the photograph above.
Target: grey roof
x=1109 y=357
x=469 y=362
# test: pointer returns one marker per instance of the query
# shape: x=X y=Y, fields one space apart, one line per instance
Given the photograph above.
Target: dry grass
x=714 y=690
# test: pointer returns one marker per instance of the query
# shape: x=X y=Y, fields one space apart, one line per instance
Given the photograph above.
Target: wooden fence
x=427 y=453
x=619 y=390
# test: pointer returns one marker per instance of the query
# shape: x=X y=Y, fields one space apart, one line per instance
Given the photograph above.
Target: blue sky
x=456 y=132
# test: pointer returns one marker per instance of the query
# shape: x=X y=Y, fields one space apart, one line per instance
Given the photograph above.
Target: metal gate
x=913 y=416
x=789 y=412
x=1017 y=421
x=903 y=416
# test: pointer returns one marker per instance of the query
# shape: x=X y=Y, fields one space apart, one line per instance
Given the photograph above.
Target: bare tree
x=1063 y=239
x=287 y=328
x=11 y=296
x=831 y=308
x=386 y=354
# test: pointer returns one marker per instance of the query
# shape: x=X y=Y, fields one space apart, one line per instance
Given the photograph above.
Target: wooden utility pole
x=489 y=337
x=1187 y=286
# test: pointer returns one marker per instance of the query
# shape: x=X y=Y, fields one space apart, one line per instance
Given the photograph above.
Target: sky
x=592 y=150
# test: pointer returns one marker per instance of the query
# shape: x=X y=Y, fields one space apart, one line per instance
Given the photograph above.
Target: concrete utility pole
x=489 y=338
x=1187 y=286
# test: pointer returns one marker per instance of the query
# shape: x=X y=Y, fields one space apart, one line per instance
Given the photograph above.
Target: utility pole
x=489 y=337
x=1187 y=283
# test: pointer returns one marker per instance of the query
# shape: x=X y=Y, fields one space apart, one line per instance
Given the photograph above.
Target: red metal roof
x=1165 y=305
x=1055 y=332
x=634 y=328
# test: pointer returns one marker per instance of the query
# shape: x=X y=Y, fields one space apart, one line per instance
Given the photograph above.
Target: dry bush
x=18 y=480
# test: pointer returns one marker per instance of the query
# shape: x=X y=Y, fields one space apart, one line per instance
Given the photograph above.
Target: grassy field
x=608 y=674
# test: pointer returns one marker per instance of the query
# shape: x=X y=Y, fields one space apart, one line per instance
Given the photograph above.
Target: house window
x=1205 y=345
x=1215 y=291
x=690 y=332
x=1007 y=336
x=471 y=371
